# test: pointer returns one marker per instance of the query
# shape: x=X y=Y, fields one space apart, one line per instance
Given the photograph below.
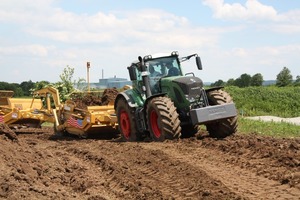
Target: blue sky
x=38 y=39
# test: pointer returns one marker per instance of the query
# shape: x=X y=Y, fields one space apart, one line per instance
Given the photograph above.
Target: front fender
x=133 y=98
x=153 y=96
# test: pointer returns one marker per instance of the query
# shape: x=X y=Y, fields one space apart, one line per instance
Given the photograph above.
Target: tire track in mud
x=113 y=174
x=149 y=174
x=43 y=166
x=241 y=181
x=68 y=176
x=86 y=179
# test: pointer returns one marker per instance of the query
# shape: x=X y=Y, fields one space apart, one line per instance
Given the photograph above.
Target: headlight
x=192 y=98
x=189 y=98
x=148 y=57
x=174 y=53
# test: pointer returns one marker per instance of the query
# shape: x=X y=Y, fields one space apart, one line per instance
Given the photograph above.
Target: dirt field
x=45 y=166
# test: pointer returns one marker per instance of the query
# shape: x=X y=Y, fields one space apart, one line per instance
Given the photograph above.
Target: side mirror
x=132 y=73
x=198 y=62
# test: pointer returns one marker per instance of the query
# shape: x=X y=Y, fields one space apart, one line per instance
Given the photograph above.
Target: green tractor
x=165 y=104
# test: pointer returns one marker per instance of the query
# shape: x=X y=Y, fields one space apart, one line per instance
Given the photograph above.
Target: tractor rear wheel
x=224 y=127
x=126 y=121
x=163 y=119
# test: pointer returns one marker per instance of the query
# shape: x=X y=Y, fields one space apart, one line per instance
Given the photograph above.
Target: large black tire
x=163 y=119
x=225 y=127
x=126 y=121
x=189 y=130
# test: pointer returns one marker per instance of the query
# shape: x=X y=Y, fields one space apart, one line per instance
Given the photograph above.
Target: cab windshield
x=163 y=67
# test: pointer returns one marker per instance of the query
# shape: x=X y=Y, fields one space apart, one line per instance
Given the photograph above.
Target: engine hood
x=189 y=83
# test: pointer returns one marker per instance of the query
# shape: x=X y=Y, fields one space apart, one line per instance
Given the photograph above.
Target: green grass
x=257 y=101
x=275 y=129
x=47 y=124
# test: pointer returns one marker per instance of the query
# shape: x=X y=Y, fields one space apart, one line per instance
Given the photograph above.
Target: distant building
x=107 y=83
x=113 y=82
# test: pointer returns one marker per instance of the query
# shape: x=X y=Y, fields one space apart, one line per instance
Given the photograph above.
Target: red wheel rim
x=154 y=124
x=125 y=124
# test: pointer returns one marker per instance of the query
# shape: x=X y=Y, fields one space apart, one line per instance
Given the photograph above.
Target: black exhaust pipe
x=145 y=77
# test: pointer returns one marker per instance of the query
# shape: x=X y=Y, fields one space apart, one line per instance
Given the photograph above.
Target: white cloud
x=265 y=17
x=285 y=28
x=22 y=50
x=111 y=40
x=252 y=10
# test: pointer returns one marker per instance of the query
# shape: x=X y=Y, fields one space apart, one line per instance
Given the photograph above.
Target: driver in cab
x=172 y=71
x=153 y=72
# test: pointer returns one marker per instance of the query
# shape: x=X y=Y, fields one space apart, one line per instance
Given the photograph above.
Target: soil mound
x=83 y=100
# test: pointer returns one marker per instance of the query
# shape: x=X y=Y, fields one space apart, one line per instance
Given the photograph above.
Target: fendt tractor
x=165 y=104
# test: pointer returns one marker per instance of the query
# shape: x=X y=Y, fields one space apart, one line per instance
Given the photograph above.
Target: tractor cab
x=157 y=67
x=160 y=72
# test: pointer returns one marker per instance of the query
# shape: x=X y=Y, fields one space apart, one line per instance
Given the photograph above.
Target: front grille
x=190 y=86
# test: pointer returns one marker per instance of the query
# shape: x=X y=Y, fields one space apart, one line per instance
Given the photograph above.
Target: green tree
x=243 y=81
x=12 y=86
x=297 y=81
x=284 y=78
x=5 y=86
x=230 y=82
x=257 y=80
x=66 y=85
x=218 y=83
x=40 y=84
x=18 y=92
x=27 y=87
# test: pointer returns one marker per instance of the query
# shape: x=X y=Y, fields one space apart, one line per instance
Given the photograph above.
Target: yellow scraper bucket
x=6 y=93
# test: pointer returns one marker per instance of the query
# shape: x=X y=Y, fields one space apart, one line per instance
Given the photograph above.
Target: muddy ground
x=44 y=166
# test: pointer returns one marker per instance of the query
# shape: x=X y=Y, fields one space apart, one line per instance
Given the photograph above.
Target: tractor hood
x=183 y=90
x=190 y=85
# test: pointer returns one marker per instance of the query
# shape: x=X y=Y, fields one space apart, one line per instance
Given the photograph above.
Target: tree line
x=65 y=86
x=284 y=78
x=66 y=83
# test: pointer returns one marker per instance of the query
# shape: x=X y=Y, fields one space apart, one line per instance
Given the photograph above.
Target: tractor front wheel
x=163 y=119
x=224 y=127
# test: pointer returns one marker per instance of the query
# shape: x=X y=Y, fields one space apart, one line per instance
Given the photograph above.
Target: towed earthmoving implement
x=165 y=104
x=68 y=117
x=21 y=111
x=82 y=122
x=19 y=115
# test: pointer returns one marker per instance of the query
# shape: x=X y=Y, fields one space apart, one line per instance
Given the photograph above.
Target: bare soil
x=41 y=165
